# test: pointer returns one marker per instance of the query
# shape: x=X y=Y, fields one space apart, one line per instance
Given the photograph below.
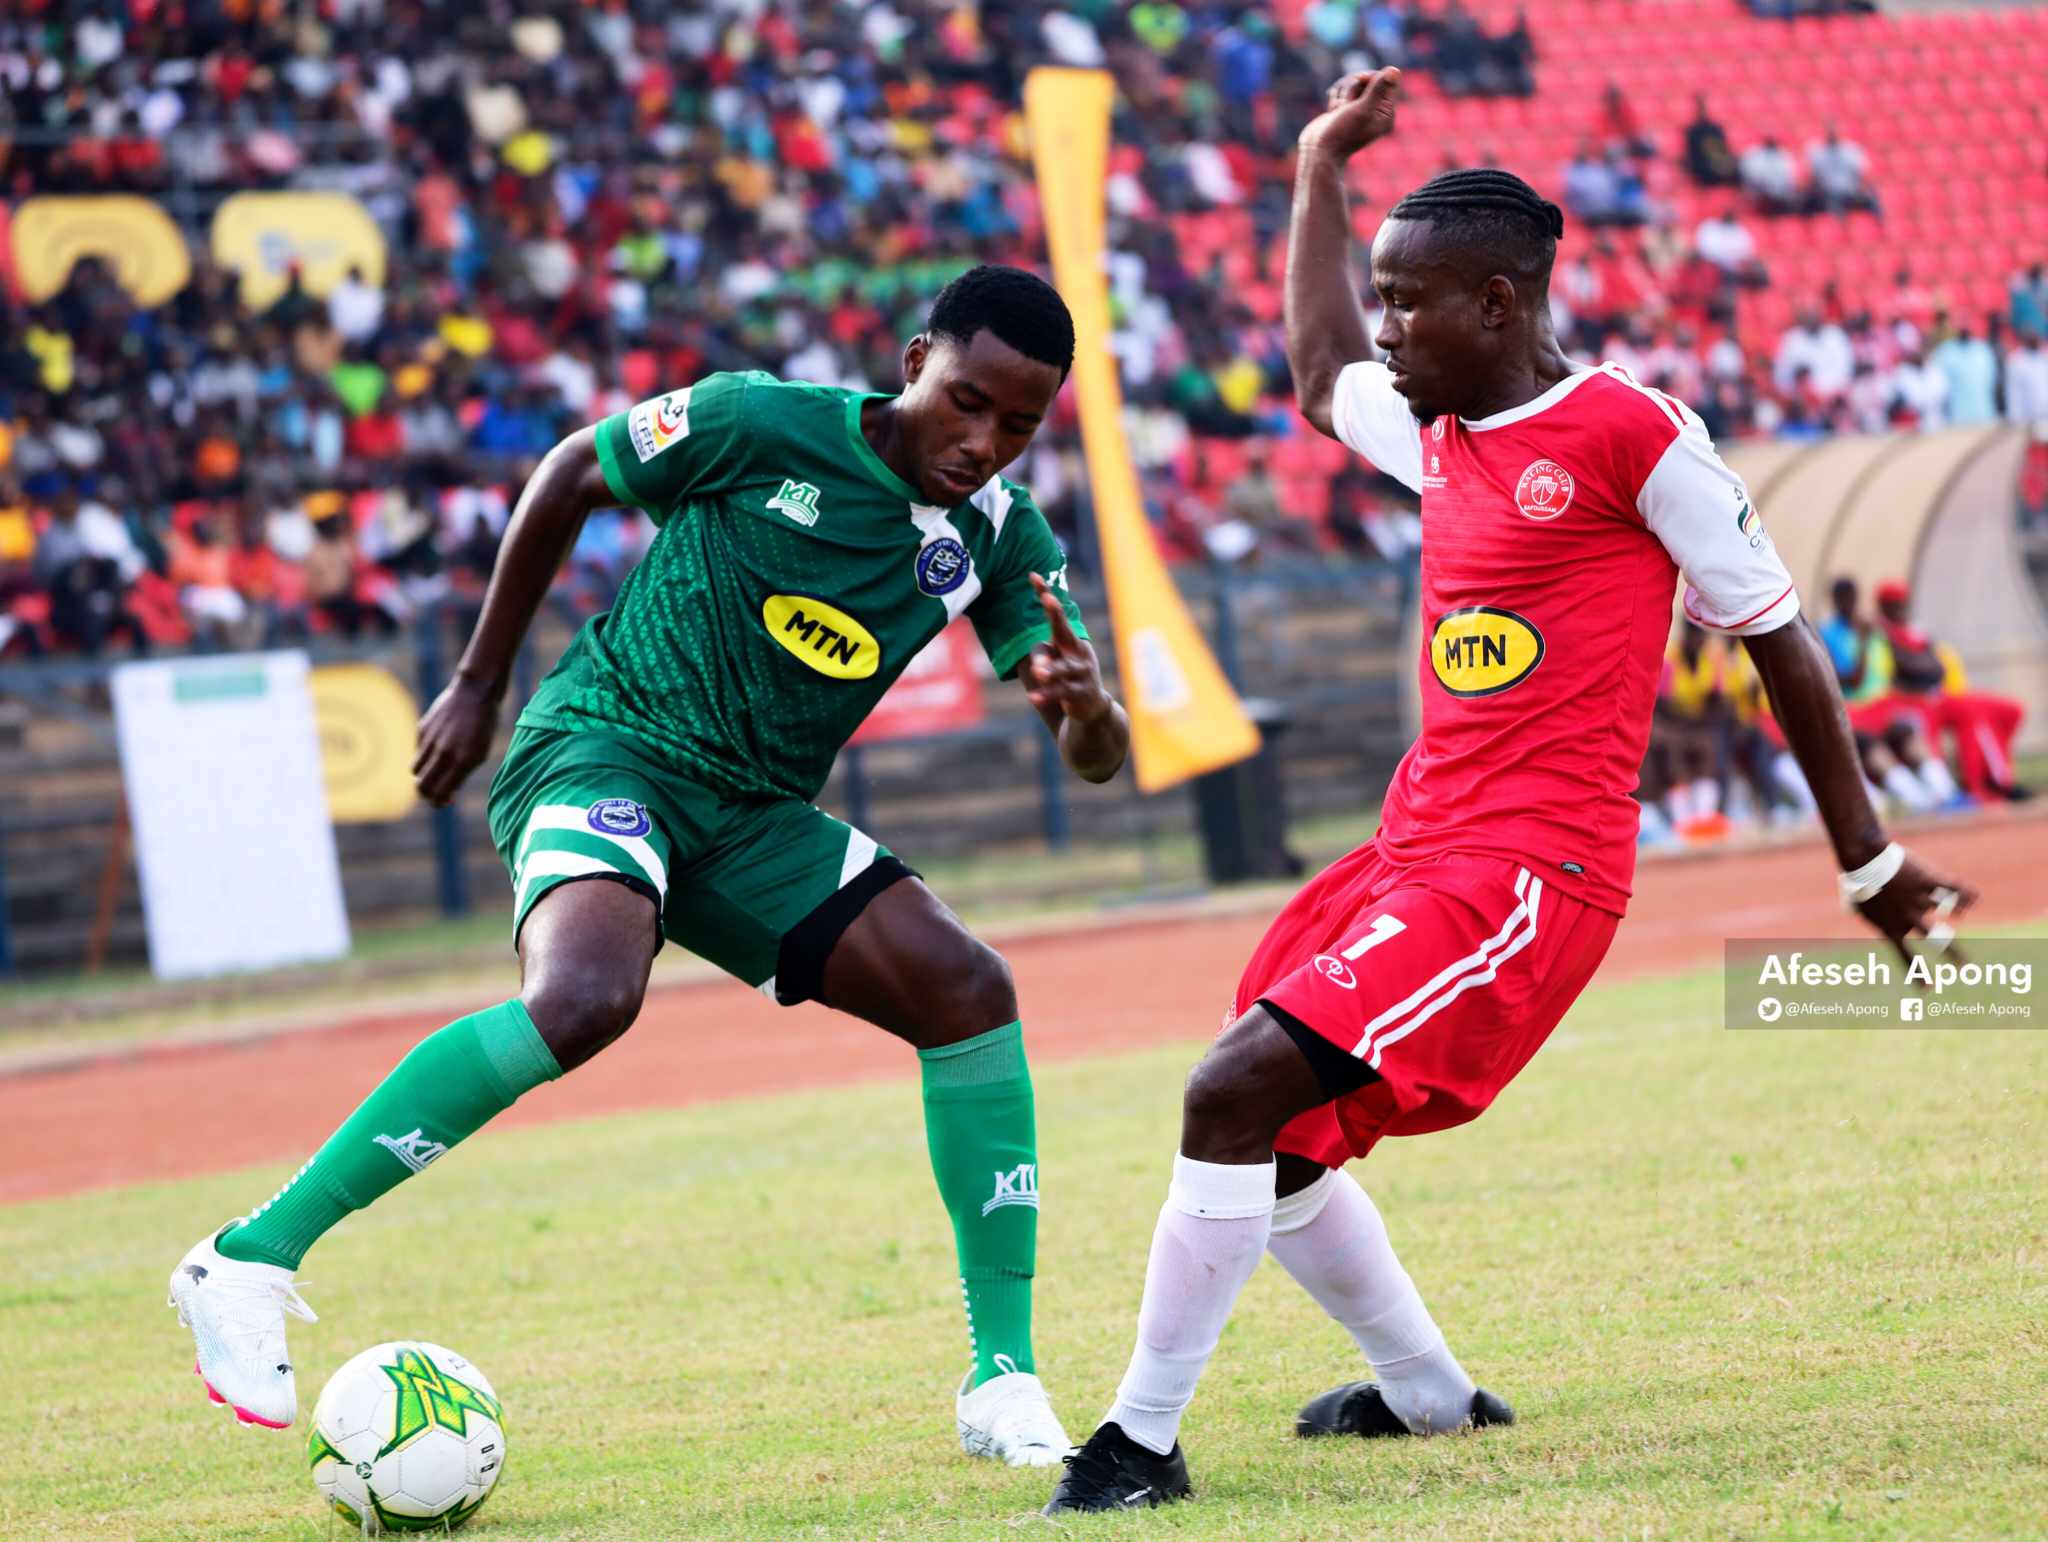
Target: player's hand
x=1917 y=900
x=1361 y=110
x=455 y=735
x=1063 y=672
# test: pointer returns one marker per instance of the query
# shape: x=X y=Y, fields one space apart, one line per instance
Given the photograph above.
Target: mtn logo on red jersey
x=1541 y=652
x=1545 y=490
x=1482 y=650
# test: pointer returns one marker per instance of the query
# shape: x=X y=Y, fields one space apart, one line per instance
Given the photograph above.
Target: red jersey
x=1553 y=535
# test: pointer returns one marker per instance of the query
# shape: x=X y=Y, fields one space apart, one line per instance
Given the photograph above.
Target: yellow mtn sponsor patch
x=823 y=636
x=1482 y=650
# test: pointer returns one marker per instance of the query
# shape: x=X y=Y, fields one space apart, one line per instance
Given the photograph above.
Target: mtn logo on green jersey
x=799 y=500
x=823 y=636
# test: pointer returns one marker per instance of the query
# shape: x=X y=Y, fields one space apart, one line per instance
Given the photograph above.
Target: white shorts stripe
x=569 y=816
x=558 y=864
x=1482 y=976
x=860 y=856
x=1450 y=972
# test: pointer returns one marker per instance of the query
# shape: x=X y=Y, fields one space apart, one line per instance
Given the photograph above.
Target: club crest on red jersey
x=1545 y=490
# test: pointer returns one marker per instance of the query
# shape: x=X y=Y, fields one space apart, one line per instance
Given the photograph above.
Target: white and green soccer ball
x=407 y=1437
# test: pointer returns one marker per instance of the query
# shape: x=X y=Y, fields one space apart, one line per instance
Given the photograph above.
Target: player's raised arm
x=1326 y=326
x=455 y=734
x=1696 y=505
x=1063 y=679
x=1895 y=891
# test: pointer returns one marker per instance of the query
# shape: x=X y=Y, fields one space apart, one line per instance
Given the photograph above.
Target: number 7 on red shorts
x=1441 y=978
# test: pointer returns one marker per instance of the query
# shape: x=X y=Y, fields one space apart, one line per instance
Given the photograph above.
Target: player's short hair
x=1018 y=306
x=1491 y=221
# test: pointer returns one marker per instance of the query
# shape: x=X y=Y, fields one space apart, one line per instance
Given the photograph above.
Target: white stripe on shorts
x=570 y=816
x=1451 y=982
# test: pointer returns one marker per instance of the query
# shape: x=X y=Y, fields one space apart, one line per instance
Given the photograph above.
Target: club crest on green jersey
x=942 y=566
x=799 y=500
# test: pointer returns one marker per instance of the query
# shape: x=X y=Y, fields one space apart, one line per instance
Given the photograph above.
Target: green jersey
x=793 y=578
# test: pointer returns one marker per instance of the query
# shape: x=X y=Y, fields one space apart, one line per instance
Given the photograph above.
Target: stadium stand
x=577 y=204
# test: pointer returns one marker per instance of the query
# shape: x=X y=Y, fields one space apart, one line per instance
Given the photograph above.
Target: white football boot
x=236 y=1313
x=1008 y=1417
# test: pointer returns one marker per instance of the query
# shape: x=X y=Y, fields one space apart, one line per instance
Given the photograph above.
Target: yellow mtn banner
x=1185 y=719
x=366 y=723
x=265 y=235
x=134 y=237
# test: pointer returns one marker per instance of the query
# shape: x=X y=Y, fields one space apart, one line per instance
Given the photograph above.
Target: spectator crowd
x=583 y=204
x=1928 y=741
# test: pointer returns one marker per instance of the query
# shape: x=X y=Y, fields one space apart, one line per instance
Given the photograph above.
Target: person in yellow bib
x=1691 y=721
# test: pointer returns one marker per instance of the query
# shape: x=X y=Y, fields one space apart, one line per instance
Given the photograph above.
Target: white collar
x=1550 y=398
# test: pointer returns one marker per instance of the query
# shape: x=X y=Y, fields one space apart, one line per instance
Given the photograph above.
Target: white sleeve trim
x=1371 y=417
x=1698 y=507
x=994 y=500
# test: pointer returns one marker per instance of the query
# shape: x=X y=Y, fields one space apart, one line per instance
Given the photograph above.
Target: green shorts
x=761 y=889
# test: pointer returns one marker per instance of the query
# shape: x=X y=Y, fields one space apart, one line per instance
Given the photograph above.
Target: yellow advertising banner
x=262 y=235
x=131 y=235
x=366 y=721
x=1185 y=719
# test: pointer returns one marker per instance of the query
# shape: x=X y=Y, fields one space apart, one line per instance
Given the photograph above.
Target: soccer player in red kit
x=1404 y=987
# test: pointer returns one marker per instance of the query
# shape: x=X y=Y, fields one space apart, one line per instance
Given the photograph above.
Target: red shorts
x=1444 y=977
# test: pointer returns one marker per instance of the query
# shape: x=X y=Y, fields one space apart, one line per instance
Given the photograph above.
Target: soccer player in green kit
x=659 y=784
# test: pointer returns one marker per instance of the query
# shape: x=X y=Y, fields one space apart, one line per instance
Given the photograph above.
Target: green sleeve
x=1006 y=614
x=660 y=454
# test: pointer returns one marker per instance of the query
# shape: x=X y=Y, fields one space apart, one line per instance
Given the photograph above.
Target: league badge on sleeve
x=1749 y=524
x=656 y=424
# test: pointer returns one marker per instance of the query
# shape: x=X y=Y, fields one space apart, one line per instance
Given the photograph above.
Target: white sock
x=1331 y=1239
x=1935 y=777
x=1679 y=802
x=1211 y=1234
x=1905 y=786
x=1706 y=796
x=1792 y=782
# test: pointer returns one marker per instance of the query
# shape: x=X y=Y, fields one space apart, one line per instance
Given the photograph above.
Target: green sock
x=452 y=1084
x=979 y=1123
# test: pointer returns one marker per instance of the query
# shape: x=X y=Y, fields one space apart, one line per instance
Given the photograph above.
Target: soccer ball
x=407 y=1437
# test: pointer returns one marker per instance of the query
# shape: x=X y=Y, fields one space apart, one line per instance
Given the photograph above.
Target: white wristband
x=1865 y=882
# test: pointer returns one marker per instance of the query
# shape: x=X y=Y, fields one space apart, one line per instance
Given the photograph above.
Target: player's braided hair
x=1492 y=219
x=1018 y=306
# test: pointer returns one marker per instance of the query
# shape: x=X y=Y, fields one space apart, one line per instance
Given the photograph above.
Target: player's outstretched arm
x=1799 y=678
x=1063 y=680
x=455 y=734
x=1326 y=327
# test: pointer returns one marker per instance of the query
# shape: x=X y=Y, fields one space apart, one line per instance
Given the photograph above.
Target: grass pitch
x=1786 y=1283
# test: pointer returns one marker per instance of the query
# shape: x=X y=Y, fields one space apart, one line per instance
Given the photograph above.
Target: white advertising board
x=232 y=840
